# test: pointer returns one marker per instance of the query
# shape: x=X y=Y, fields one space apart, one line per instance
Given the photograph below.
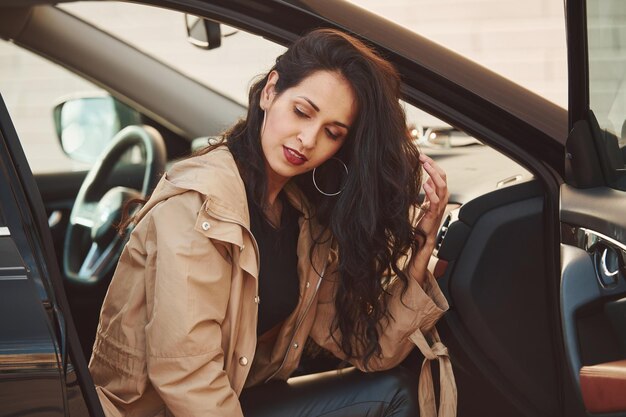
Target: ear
x=268 y=93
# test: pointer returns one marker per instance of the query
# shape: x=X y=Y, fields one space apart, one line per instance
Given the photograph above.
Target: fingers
x=436 y=186
x=436 y=198
x=431 y=192
x=427 y=159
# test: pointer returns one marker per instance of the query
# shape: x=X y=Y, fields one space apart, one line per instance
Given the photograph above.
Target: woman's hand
x=436 y=199
x=433 y=207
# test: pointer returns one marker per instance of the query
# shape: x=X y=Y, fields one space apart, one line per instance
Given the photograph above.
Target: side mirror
x=203 y=33
x=86 y=125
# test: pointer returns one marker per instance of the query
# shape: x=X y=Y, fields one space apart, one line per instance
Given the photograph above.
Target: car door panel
x=603 y=387
x=29 y=359
x=593 y=296
x=495 y=280
x=579 y=206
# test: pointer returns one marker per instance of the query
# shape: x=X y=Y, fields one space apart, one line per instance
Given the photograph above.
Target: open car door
x=42 y=369
x=593 y=209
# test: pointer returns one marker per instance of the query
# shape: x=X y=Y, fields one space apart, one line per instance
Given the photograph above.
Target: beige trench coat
x=177 y=331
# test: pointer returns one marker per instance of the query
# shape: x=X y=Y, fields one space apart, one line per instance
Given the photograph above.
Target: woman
x=319 y=187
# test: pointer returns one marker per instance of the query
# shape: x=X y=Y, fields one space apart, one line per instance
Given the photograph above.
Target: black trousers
x=349 y=393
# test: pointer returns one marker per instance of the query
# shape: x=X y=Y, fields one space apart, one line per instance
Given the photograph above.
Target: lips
x=294 y=157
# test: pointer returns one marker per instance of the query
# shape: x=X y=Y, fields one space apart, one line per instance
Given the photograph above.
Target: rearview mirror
x=203 y=33
x=86 y=125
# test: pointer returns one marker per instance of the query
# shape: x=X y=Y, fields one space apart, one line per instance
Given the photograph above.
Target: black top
x=278 y=275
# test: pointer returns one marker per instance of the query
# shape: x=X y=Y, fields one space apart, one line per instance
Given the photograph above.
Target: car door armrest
x=603 y=387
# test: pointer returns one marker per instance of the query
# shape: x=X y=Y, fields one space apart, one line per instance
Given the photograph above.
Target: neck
x=272 y=207
x=275 y=184
x=272 y=195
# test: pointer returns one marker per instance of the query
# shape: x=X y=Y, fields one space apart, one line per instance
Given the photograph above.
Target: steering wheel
x=92 y=244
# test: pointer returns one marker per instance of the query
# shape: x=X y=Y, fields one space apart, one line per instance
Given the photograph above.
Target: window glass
x=466 y=161
x=523 y=41
x=607 y=64
x=229 y=69
x=162 y=34
x=32 y=87
x=525 y=44
x=606 y=28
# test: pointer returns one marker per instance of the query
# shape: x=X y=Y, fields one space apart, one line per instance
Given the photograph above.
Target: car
x=531 y=255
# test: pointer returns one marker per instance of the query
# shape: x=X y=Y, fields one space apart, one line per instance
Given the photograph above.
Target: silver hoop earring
x=330 y=194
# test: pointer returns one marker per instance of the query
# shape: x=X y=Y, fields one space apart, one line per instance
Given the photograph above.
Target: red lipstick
x=294 y=157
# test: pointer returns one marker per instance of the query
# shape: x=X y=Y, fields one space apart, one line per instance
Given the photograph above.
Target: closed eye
x=332 y=135
x=300 y=113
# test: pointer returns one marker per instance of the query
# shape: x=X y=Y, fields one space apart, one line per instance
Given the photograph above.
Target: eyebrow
x=317 y=109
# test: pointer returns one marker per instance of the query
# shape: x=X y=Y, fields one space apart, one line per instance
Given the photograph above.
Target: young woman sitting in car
x=303 y=222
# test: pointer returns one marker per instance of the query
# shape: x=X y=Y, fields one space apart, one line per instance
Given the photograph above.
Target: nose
x=308 y=137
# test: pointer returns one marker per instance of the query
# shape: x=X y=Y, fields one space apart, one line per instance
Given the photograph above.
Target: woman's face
x=306 y=124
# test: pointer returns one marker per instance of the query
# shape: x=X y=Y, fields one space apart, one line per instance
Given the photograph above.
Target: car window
x=31 y=87
x=522 y=41
x=161 y=33
x=607 y=66
x=606 y=21
x=229 y=69
x=525 y=44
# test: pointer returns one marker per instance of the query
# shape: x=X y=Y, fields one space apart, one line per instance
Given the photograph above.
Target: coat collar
x=214 y=175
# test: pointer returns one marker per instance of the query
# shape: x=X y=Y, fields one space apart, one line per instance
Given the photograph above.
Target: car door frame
x=583 y=225
x=37 y=241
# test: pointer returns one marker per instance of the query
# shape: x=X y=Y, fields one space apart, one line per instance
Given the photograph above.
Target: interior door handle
x=605 y=269
x=607 y=264
x=609 y=255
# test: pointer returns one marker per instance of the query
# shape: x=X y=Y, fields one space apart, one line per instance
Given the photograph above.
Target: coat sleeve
x=412 y=323
x=415 y=311
x=187 y=293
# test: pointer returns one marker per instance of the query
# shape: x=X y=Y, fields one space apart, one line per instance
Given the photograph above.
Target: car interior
x=493 y=259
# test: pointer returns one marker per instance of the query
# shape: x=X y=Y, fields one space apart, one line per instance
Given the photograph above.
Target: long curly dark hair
x=371 y=220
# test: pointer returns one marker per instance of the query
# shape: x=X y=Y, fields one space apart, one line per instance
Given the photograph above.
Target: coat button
x=295 y=345
x=241 y=248
x=206 y=226
x=257 y=299
x=308 y=284
x=243 y=361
